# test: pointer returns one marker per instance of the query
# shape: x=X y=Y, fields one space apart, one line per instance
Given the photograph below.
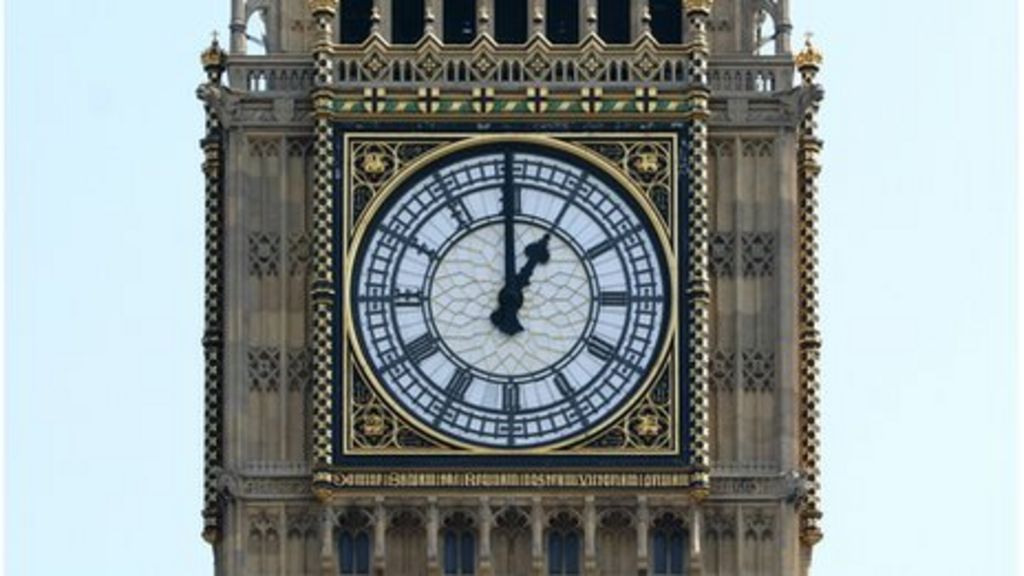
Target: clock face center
x=555 y=308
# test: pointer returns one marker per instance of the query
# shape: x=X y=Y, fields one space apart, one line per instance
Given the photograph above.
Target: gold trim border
x=562 y=142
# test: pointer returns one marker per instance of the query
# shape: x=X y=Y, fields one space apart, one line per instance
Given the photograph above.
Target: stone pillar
x=643 y=523
x=380 y=536
x=214 y=60
x=485 y=17
x=328 y=557
x=809 y=63
x=323 y=266
x=380 y=18
x=433 y=18
x=783 y=29
x=537 y=17
x=698 y=290
x=695 y=566
x=433 y=527
x=238 y=27
x=587 y=18
x=589 y=537
x=485 y=522
x=537 y=547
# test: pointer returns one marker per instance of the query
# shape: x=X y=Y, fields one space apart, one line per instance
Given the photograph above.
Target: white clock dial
x=512 y=297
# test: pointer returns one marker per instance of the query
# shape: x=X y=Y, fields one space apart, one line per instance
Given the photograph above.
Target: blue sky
x=104 y=284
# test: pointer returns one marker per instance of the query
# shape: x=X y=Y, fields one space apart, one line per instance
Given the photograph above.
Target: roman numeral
x=562 y=383
x=510 y=398
x=408 y=299
x=601 y=349
x=614 y=299
x=601 y=248
x=459 y=384
x=421 y=348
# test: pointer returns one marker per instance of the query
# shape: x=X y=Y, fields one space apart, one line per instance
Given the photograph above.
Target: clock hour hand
x=510 y=299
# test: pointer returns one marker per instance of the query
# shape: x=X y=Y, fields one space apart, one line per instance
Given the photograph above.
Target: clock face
x=511 y=296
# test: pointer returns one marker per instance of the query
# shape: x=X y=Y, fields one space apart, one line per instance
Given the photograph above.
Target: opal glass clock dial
x=510 y=296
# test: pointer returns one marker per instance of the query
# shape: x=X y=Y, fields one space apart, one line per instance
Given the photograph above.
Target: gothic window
x=353 y=541
x=563 y=17
x=459 y=21
x=669 y=546
x=407 y=21
x=256 y=34
x=511 y=553
x=667 y=21
x=564 y=546
x=764 y=33
x=459 y=546
x=355 y=20
x=613 y=20
x=510 y=21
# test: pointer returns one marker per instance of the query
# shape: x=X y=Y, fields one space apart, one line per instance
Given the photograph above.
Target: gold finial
x=213 y=58
x=810 y=58
x=698 y=6
x=323 y=6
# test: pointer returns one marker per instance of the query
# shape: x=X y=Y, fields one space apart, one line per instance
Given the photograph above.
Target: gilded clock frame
x=661 y=155
x=667 y=439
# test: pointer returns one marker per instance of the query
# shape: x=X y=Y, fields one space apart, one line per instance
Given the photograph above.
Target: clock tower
x=511 y=288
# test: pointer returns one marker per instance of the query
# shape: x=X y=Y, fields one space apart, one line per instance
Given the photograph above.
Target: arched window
x=353 y=541
x=355 y=21
x=459 y=545
x=406 y=21
x=563 y=18
x=669 y=546
x=459 y=21
x=510 y=21
x=764 y=33
x=667 y=21
x=564 y=546
x=256 y=33
x=613 y=21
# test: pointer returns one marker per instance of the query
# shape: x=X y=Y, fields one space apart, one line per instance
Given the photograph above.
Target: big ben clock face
x=510 y=296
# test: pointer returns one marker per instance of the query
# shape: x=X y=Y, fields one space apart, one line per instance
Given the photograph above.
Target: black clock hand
x=510 y=299
x=508 y=212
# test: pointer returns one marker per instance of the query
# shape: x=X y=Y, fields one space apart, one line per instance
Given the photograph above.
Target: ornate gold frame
x=388 y=413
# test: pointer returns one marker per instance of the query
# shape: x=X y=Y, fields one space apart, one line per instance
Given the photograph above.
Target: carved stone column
x=643 y=523
x=328 y=557
x=380 y=536
x=698 y=290
x=809 y=63
x=214 y=60
x=695 y=566
x=485 y=17
x=537 y=547
x=588 y=18
x=322 y=280
x=589 y=537
x=484 y=525
x=238 y=27
x=537 y=17
x=433 y=527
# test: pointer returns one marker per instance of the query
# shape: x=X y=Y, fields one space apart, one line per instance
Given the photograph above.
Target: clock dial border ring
x=605 y=169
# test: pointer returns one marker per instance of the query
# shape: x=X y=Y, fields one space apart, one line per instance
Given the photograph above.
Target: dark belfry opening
x=613 y=21
x=459 y=21
x=667 y=21
x=563 y=21
x=510 y=21
x=407 y=21
x=355 y=21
